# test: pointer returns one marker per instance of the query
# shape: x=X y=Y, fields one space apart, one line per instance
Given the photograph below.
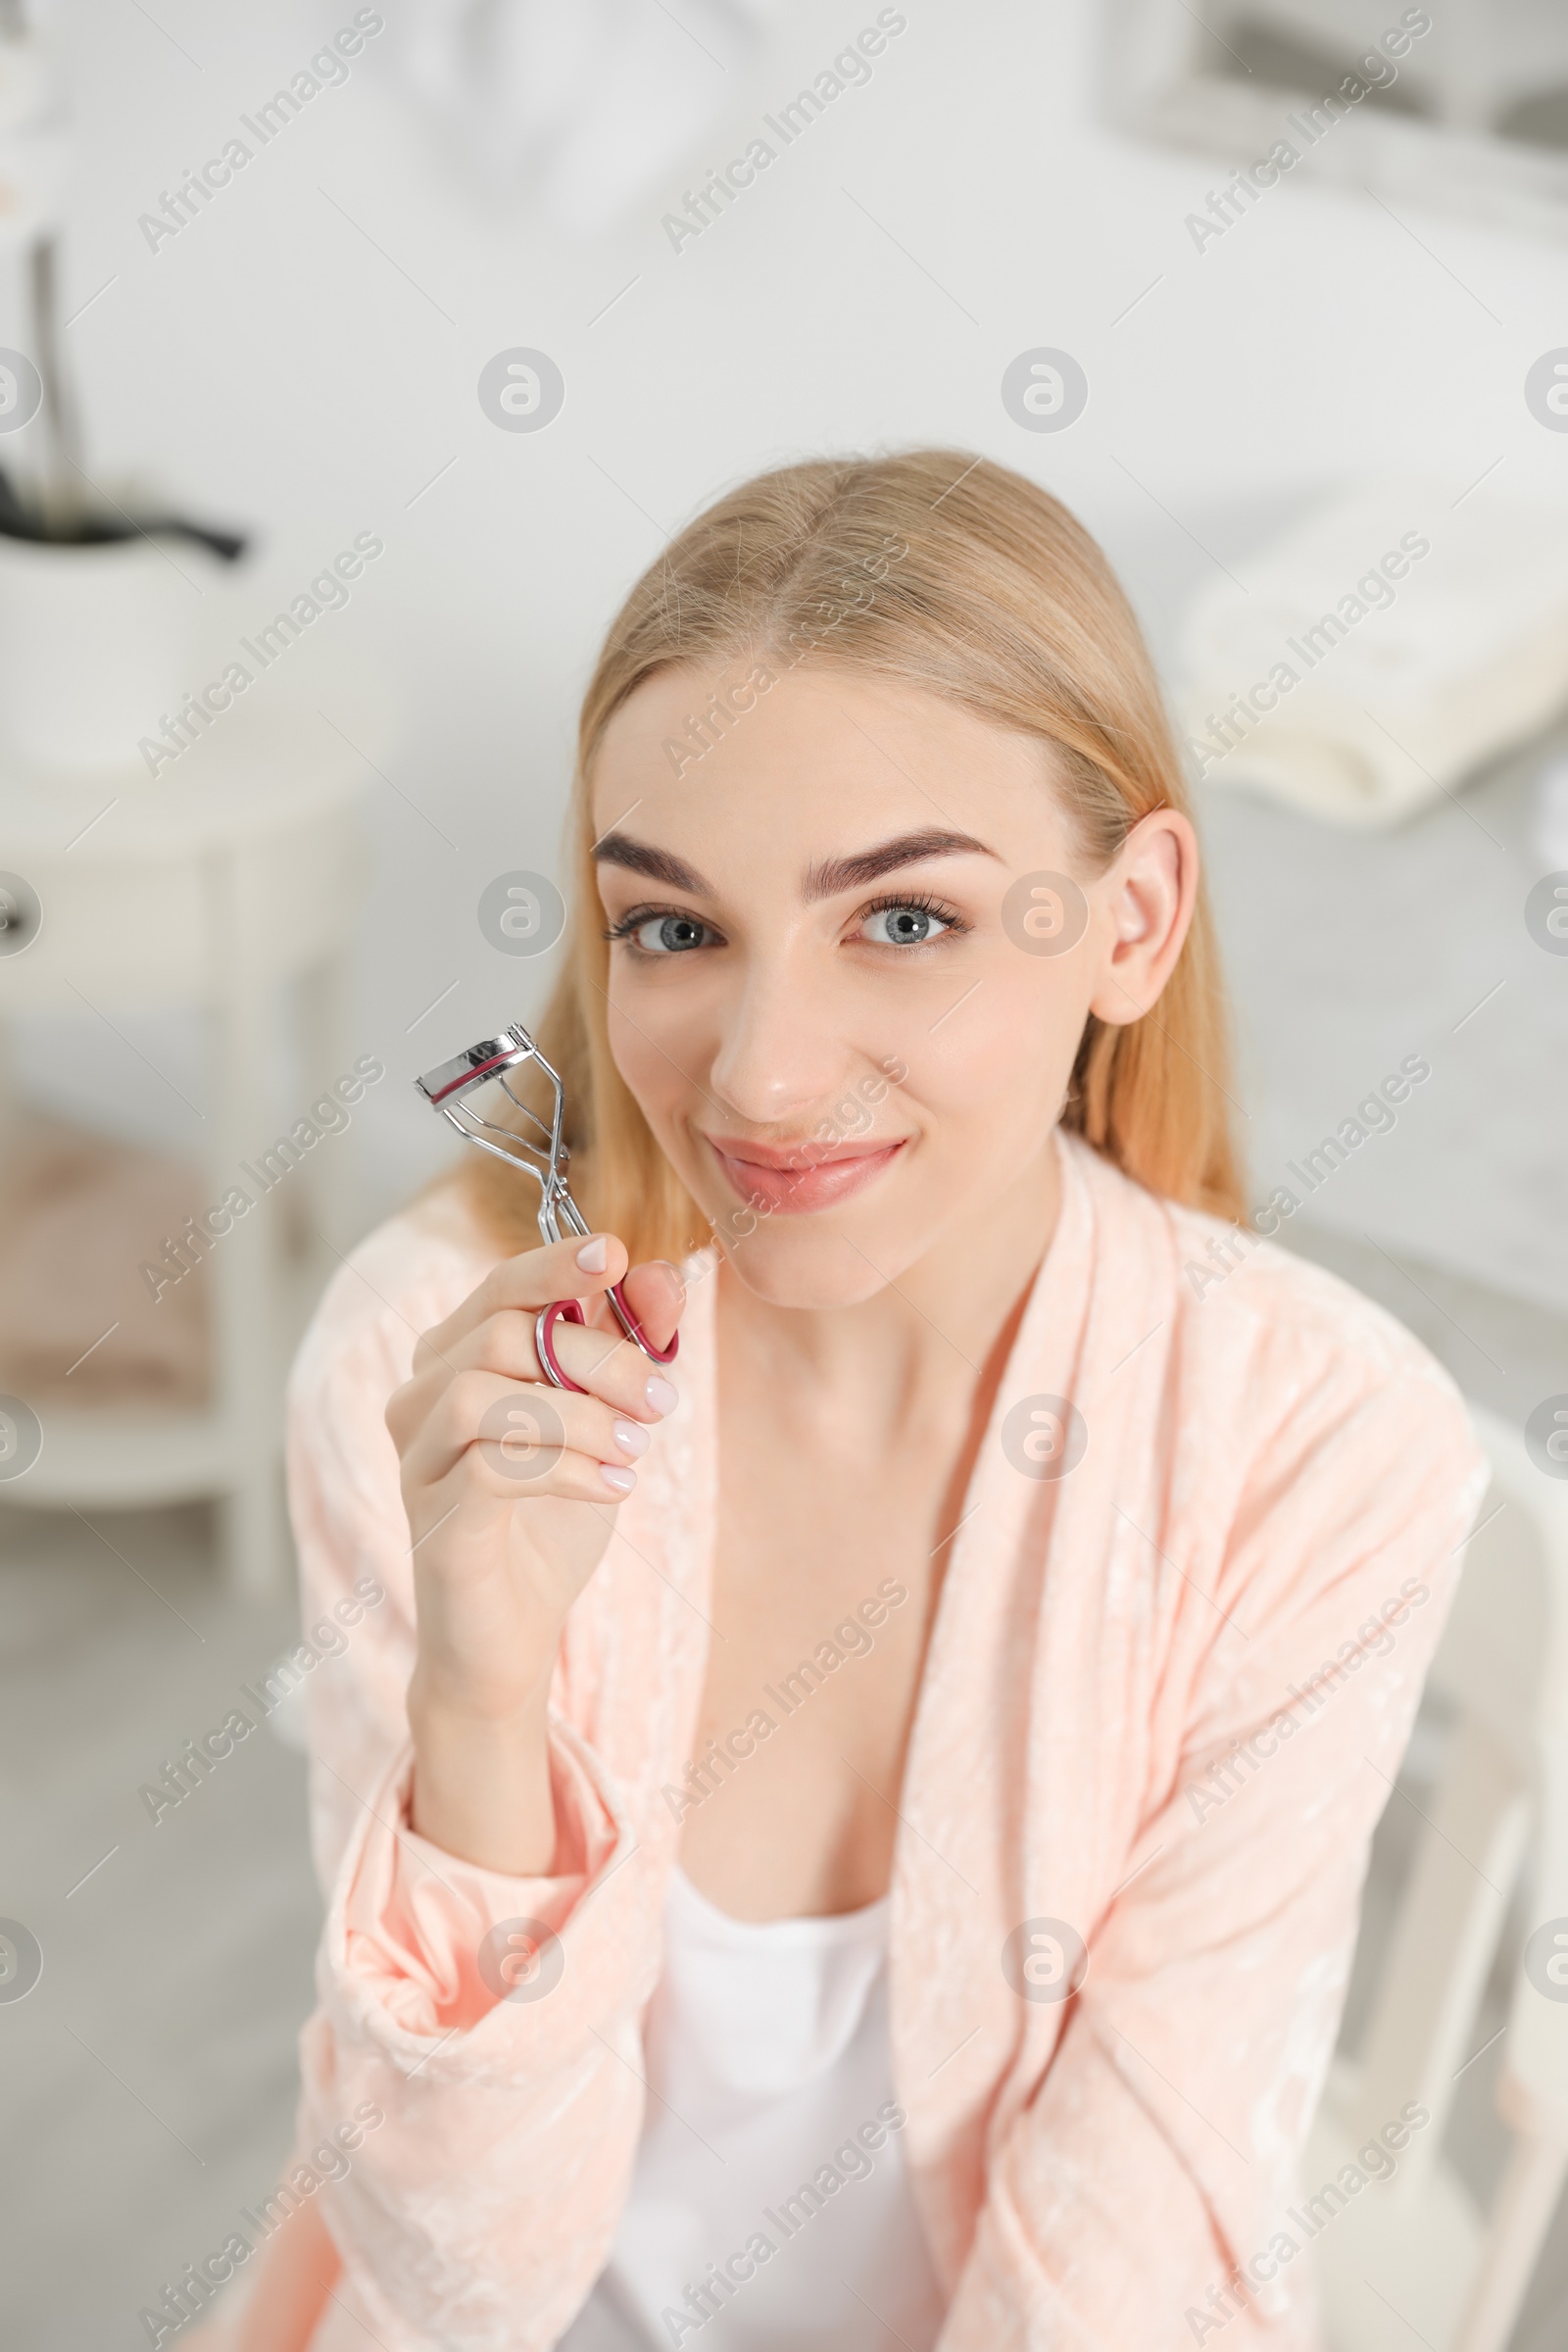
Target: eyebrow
x=824 y=880
x=837 y=875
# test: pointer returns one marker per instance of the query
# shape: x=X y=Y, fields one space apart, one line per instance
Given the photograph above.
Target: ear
x=1149 y=894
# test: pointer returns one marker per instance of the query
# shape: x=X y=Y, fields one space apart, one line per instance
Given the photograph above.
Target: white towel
x=1378 y=652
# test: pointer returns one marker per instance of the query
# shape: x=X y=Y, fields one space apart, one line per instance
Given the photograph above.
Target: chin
x=809 y=1264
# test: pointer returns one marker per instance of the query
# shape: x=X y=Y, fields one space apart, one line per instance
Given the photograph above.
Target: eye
x=656 y=934
x=906 y=922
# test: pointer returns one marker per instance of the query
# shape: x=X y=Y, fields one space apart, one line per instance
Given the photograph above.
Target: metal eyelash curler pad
x=446 y=1088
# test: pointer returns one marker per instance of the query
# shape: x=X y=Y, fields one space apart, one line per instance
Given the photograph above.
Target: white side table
x=235 y=873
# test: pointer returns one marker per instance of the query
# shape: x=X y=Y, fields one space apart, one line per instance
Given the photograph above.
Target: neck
x=931 y=1331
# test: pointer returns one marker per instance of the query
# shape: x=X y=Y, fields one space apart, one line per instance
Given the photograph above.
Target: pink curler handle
x=569 y=1311
x=635 y=1332
x=560 y=1310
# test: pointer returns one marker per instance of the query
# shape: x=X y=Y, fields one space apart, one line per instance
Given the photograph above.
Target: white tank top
x=769 y=2204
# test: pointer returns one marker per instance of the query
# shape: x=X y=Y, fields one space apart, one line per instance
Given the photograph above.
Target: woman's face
x=855 y=949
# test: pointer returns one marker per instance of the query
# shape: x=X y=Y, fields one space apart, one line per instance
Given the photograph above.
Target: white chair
x=1412 y=2259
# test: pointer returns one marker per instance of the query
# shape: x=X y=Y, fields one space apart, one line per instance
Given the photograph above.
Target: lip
x=793 y=1180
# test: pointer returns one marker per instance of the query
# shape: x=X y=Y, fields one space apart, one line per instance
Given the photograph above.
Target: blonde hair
x=986 y=591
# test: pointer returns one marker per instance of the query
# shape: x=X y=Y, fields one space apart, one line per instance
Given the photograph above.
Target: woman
x=854 y=1839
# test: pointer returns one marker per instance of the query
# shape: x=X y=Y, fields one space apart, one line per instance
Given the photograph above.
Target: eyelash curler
x=541 y=1154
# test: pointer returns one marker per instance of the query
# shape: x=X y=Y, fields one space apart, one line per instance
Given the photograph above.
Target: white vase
x=95 y=643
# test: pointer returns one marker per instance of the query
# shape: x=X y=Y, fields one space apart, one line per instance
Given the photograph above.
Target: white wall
x=270 y=365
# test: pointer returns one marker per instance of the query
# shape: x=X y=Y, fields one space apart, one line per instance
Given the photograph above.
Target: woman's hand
x=510 y=1487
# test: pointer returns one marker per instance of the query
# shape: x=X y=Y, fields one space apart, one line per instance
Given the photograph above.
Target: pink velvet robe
x=1165 y=1697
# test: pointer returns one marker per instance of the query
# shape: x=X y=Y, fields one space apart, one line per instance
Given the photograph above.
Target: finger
x=520 y=1428
x=527 y=1282
x=514 y=1470
x=656 y=1296
x=598 y=1358
x=492 y=1475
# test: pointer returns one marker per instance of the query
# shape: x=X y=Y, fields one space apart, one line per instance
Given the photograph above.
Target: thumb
x=656 y=1295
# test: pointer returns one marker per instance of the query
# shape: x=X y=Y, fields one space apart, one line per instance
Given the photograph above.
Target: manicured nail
x=622 y=1481
x=662 y=1394
x=630 y=1438
x=594 y=1255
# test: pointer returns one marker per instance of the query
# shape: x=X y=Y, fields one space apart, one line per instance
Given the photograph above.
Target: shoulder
x=1286 y=1443
x=1302 y=1333
x=1268 y=1353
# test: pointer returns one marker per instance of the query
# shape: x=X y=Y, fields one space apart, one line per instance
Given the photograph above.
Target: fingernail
x=630 y=1438
x=662 y=1394
x=594 y=1255
x=622 y=1481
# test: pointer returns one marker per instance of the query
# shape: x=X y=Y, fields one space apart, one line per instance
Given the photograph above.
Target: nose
x=783 y=1050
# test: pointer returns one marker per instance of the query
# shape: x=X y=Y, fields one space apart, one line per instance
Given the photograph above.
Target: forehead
x=821 y=756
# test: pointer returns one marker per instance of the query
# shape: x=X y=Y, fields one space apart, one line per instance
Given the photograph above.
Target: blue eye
x=661 y=934
x=903 y=923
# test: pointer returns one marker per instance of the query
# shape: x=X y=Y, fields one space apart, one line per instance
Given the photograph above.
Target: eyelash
x=633 y=921
x=922 y=901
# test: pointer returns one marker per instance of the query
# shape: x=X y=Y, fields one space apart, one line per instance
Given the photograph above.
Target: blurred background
x=353 y=362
